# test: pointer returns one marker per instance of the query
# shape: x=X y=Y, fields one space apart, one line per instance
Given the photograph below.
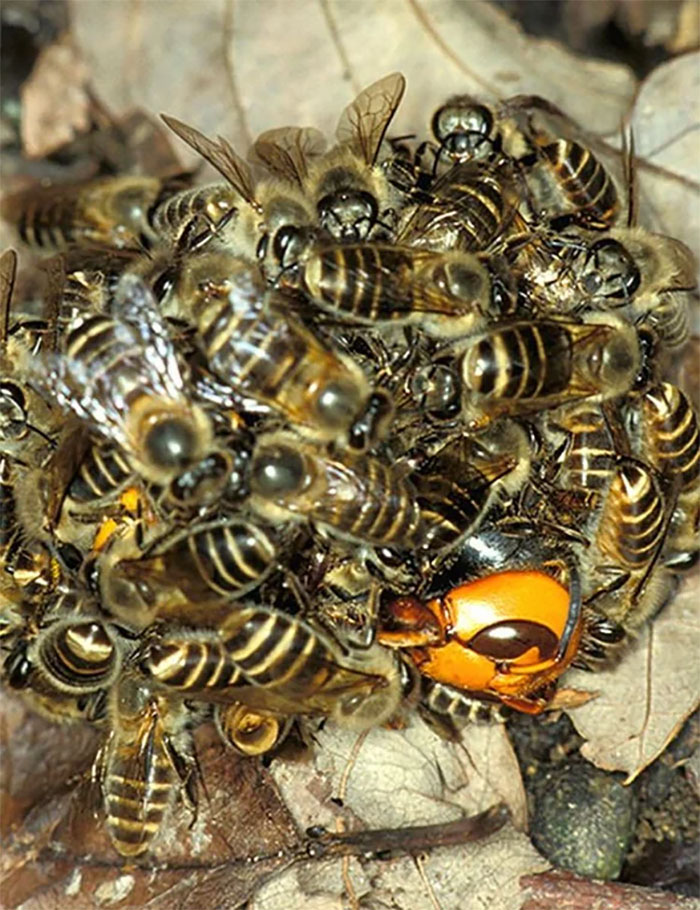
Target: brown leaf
x=666 y=141
x=55 y=102
x=229 y=77
x=645 y=700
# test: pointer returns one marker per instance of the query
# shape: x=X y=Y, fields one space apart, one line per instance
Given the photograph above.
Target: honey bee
x=655 y=278
x=27 y=559
x=101 y=212
x=148 y=757
x=270 y=221
x=567 y=182
x=350 y=192
x=446 y=294
x=185 y=574
x=530 y=365
x=250 y=731
x=471 y=207
x=276 y=663
x=665 y=428
x=649 y=278
x=120 y=374
x=625 y=581
x=357 y=498
x=78 y=655
x=22 y=411
x=253 y=343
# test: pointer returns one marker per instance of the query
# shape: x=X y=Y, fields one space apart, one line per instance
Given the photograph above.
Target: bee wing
x=73 y=444
x=363 y=123
x=8 y=272
x=293 y=699
x=55 y=270
x=135 y=303
x=287 y=151
x=220 y=154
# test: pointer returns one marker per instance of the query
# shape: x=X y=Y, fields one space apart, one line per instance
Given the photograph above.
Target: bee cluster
x=355 y=430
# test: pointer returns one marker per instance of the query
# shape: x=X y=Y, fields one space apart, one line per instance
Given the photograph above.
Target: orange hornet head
x=509 y=635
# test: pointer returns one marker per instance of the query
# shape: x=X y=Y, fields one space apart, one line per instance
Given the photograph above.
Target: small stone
x=584 y=820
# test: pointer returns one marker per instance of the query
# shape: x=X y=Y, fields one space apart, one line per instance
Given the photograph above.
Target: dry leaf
x=241 y=67
x=392 y=778
x=479 y=875
x=666 y=136
x=54 y=100
x=645 y=700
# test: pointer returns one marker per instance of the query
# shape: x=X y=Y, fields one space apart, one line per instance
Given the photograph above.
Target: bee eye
x=17 y=667
x=163 y=284
x=512 y=638
x=170 y=443
x=12 y=392
x=373 y=421
x=286 y=244
x=277 y=472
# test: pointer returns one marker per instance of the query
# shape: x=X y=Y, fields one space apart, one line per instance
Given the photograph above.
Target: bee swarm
x=358 y=430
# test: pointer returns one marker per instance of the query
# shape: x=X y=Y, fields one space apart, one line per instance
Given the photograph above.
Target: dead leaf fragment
x=645 y=700
x=666 y=127
x=55 y=101
x=230 y=78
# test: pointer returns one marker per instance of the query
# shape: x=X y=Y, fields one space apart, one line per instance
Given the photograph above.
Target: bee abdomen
x=632 y=522
x=671 y=319
x=135 y=807
x=77 y=656
x=190 y=664
x=482 y=210
x=353 y=279
x=672 y=433
x=388 y=513
x=522 y=361
x=583 y=179
x=46 y=223
x=590 y=457
x=450 y=508
x=273 y=649
x=459 y=707
x=102 y=472
x=8 y=514
x=230 y=557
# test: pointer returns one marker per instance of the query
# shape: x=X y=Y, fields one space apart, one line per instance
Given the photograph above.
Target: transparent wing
x=220 y=154
x=135 y=304
x=287 y=151
x=363 y=123
x=8 y=271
